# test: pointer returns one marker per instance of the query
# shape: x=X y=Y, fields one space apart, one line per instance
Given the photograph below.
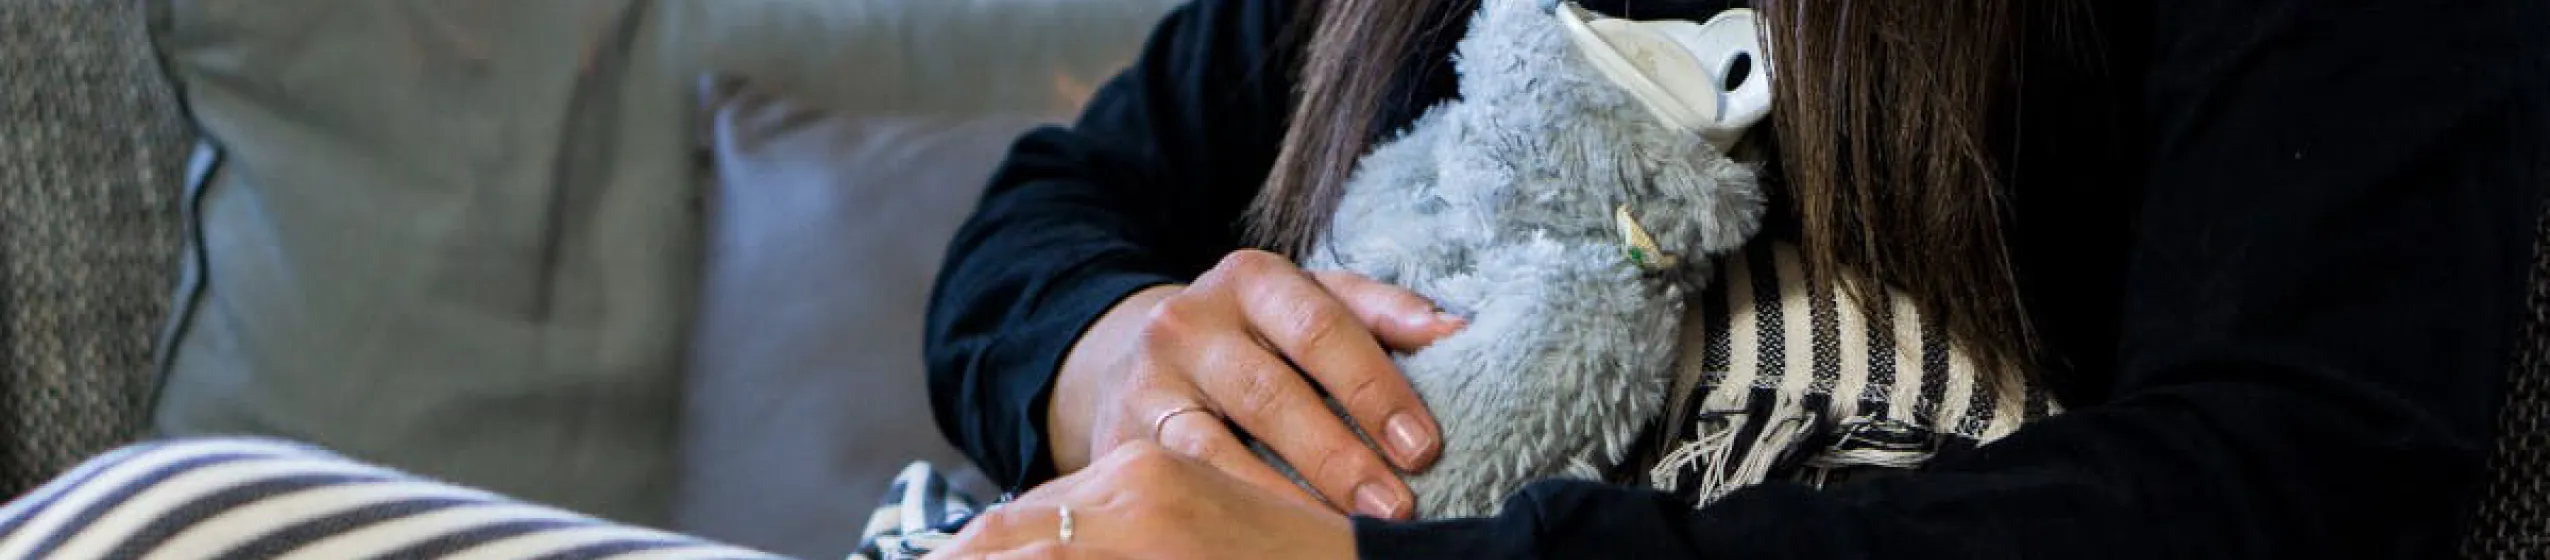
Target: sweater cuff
x=1563 y=518
x=1485 y=538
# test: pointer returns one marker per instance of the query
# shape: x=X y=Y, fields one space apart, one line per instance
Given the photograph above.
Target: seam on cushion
x=186 y=297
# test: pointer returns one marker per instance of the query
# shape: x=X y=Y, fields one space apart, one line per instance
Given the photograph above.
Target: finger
x=1406 y=322
x=1288 y=312
x=1203 y=436
x=1403 y=320
x=1180 y=419
x=1318 y=332
x=1269 y=399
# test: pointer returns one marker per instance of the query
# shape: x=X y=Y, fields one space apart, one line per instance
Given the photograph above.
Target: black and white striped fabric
x=1779 y=381
x=921 y=513
x=253 y=498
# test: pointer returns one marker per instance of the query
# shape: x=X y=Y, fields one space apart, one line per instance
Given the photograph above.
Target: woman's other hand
x=1170 y=364
x=1143 y=501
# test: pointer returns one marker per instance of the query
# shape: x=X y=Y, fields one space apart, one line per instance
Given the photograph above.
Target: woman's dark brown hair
x=1889 y=130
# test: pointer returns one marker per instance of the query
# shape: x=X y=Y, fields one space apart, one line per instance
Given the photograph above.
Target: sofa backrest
x=90 y=162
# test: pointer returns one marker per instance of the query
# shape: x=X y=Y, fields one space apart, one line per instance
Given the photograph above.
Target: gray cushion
x=454 y=236
x=461 y=236
x=854 y=138
x=807 y=392
x=89 y=183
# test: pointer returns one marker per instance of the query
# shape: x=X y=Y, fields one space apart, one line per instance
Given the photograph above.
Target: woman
x=2268 y=255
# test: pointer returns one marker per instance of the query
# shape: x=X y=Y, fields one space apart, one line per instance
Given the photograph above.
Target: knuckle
x=1170 y=319
x=1173 y=327
x=1313 y=325
x=1261 y=396
x=1251 y=262
x=1160 y=335
x=1365 y=395
x=1341 y=467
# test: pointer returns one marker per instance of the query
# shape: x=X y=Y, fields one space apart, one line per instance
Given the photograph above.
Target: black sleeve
x=1147 y=188
x=2322 y=306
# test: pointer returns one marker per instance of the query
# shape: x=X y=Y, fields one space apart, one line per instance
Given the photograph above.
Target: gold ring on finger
x=1160 y=424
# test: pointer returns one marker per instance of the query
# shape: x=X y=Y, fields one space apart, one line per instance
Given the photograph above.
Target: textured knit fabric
x=90 y=167
x=249 y=498
x=2514 y=515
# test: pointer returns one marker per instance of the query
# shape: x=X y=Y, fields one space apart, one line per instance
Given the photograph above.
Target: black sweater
x=2276 y=248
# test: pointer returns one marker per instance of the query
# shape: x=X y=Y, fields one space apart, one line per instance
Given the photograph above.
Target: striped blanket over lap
x=254 y=498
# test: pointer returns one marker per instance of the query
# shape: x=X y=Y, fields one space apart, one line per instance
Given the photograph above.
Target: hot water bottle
x=1566 y=205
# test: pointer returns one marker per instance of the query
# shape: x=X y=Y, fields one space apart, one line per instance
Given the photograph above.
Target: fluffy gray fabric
x=1500 y=208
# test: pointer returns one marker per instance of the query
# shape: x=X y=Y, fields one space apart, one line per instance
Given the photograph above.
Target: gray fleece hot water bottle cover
x=1567 y=222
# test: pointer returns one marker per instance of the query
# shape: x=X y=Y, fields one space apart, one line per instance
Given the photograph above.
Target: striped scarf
x=1778 y=381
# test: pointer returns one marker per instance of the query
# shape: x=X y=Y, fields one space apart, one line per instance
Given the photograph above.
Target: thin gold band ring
x=1160 y=424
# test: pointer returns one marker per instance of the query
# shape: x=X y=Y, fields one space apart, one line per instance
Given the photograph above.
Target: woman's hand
x=1170 y=364
x=1143 y=501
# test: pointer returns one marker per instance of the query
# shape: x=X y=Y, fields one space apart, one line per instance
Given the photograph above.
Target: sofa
x=831 y=146
x=827 y=149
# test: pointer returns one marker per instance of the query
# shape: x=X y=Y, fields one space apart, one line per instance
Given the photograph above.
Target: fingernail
x=1450 y=320
x=1374 y=500
x=1424 y=322
x=1410 y=436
